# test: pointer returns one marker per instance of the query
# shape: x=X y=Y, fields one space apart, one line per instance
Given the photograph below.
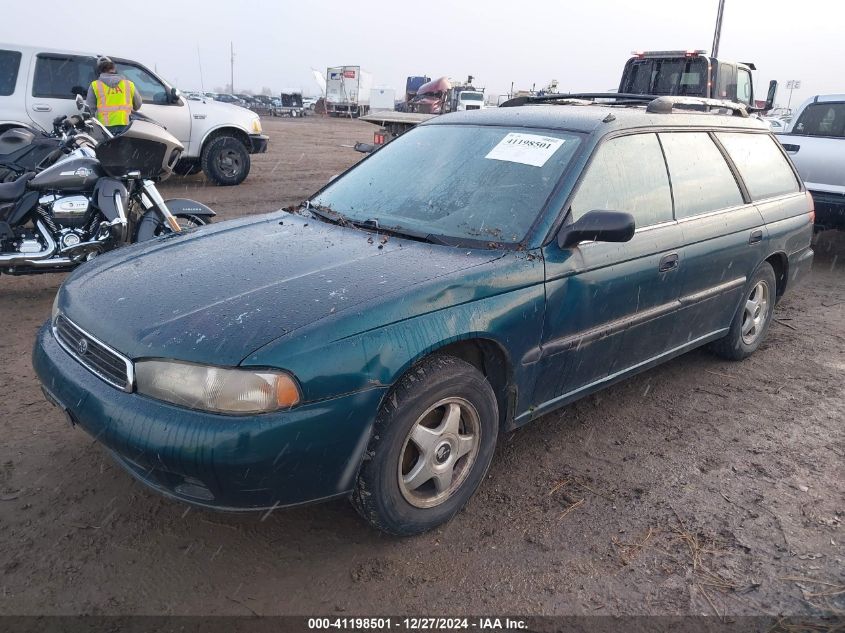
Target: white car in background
x=38 y=84
x=816 y=144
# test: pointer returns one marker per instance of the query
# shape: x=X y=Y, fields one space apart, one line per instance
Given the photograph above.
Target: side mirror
x=770 y=98
x=599 y=226
x=80 y=103
x=175 y=94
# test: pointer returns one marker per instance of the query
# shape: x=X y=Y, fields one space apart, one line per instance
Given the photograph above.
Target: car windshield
x=459 y=182
x=471 y=96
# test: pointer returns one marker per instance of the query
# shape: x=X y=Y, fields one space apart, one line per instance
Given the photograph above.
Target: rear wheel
x=225 y=160
x=432 y=443
x=752 y=320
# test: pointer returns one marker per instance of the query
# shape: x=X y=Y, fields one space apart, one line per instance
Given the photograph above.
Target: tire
x=225 y=161
x=387 y=493
x=754 y=312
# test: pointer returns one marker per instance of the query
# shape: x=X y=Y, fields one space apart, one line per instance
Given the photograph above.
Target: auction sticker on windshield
x=528 y=149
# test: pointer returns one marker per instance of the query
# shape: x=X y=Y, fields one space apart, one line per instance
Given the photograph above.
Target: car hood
x=218 y=110
x=216 y=294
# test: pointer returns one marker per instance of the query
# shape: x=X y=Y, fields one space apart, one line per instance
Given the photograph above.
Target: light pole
x=792 y=84
x=717 y=34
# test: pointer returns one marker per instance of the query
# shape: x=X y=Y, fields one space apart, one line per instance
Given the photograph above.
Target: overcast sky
x=583 y=45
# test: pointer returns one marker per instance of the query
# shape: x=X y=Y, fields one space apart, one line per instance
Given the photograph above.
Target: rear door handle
x=41 y=107
x=756 y=237
x=668 y=262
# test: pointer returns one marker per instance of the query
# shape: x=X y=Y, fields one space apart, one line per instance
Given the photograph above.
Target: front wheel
x=752 y=319
x=225 y=160
x=431 y=446
x=185 y=221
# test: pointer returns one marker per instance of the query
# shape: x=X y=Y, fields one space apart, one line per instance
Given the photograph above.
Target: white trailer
x=382 y=99
x=348 y=91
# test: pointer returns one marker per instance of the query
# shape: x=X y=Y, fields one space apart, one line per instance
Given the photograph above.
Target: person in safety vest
x=112 y=97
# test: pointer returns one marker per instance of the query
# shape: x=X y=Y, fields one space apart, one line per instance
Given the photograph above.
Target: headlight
x=55 y=311
x=256 y=125
x=215 y=389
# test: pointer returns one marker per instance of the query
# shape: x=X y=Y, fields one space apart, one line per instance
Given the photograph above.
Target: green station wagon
x=474 y=274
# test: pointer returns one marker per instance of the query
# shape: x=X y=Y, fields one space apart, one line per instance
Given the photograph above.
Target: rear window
x=701 y=179
x=10 y=62
x=57 y=77
x=761 y=164
x=821 y=119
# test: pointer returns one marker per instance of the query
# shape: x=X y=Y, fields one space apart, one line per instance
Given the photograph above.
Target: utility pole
x=232 y=67
x=714 y=50
x=199 y=60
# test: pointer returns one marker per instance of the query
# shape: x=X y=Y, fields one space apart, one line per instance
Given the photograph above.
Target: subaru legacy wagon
x=472 y=275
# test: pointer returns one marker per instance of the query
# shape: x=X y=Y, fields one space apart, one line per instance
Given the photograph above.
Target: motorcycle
x=24 y=148
x=99 y=194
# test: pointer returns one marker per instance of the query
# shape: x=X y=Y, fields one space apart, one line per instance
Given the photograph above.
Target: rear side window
x=627 y=174
x=761 y=164
x=821 y=119
x=57 y=76
x=10 y=63
x=701 y=179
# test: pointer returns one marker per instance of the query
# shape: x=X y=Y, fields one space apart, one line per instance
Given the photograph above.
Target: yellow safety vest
x=114 y=104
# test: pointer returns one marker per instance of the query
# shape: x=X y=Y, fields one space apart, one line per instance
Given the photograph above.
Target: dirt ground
x=700 y=487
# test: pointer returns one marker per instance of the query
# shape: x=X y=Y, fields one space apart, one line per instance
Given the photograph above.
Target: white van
x=39 y=84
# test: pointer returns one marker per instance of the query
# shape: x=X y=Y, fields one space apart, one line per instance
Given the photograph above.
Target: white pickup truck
x=38 y=84
x=816 y=143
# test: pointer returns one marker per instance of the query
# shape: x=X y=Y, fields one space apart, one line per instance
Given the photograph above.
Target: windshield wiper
x=420 y=236
x=325 y=213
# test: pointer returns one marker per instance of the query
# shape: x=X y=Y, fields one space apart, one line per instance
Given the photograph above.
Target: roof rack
x=655 y=104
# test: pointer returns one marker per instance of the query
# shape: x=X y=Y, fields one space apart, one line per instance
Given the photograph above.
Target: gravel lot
x=701 y=486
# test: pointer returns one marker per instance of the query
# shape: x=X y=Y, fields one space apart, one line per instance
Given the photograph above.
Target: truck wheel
x=752 y=319
x=430 y=448
x=225 y=161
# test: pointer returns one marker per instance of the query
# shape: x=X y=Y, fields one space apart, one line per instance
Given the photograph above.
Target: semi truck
x=348 y=91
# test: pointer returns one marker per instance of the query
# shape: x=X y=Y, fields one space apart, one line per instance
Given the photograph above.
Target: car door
x=56 y=78
x=723 y=232
x=158 y=102
x=609 y=306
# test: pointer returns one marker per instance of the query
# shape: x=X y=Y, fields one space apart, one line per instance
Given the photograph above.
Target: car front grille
x=96 y=356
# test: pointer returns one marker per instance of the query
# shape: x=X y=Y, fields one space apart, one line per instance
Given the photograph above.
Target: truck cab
x=689 y=73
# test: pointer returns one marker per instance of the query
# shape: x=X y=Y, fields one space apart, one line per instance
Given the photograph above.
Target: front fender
x=179 y=207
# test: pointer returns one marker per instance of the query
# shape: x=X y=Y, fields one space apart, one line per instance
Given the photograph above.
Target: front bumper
x=258 y=143
x=306 y=454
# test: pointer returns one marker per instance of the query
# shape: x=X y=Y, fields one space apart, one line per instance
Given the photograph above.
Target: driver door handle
x=41 y=107
x=668 y=262
x=756 y=237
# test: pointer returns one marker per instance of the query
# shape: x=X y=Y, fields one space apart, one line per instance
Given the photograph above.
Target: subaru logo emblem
x=82 y=347
x=442 y=453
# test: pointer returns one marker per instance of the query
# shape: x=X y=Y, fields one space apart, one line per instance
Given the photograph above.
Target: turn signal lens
x=216 y=389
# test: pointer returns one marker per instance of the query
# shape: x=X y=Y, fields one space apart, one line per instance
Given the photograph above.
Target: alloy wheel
x=755 y=313
x=439 y=452
x=229 y=162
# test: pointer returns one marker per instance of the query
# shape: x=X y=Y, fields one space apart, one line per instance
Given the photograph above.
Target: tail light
x=812 y=207
x=378 y=137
